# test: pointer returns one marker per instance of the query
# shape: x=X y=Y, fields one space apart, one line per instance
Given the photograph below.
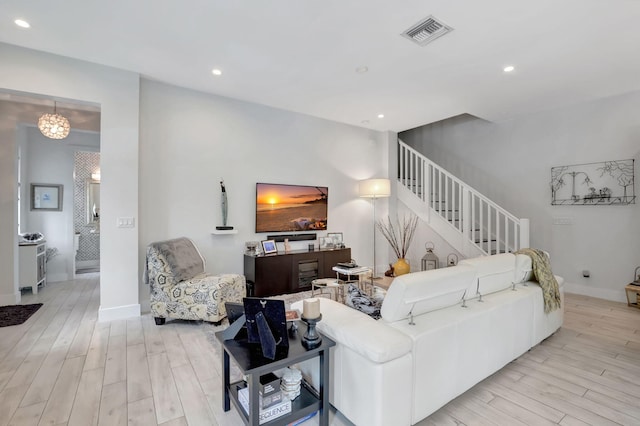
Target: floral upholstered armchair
x=180 y=288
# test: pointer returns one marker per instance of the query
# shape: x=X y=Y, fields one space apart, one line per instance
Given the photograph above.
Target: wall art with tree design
x=604 y=183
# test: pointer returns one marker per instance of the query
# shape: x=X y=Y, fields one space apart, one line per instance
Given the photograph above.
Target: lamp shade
x=374 y=188
x=54 y=126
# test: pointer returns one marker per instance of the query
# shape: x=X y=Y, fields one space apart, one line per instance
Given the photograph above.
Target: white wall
x=9 y=293
x=511 y=163
x=190 y=140
x=117 y=93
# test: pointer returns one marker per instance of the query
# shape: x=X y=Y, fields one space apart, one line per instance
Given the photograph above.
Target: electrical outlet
x=563 y=221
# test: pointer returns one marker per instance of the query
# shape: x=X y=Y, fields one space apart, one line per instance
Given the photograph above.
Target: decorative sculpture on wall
x=605 y=183
x=225 y=210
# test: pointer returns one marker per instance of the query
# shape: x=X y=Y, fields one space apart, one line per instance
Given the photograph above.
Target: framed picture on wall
x=46 y=197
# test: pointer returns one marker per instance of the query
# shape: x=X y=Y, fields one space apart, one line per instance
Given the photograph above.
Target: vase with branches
x=399 y=234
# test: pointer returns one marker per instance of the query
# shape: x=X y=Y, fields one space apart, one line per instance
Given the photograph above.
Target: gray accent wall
x=511 y=162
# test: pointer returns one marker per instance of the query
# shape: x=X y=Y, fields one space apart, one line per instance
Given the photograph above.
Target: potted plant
x=399 y=236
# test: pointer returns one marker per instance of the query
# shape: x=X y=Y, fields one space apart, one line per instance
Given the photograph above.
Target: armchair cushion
x=183 y=258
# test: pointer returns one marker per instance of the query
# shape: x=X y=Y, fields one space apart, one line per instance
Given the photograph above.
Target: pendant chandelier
x=54 y=126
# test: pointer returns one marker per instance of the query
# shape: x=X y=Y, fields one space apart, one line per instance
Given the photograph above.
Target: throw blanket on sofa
x=542 y=273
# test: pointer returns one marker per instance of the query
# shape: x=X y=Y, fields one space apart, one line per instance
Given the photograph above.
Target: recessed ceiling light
x=22 y=23
x=362 y=69
x=509 y=68
x=216 y=71
x=380 y=115
x=365 y=121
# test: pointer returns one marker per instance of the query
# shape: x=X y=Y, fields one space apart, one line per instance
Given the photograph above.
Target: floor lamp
x=374 y=188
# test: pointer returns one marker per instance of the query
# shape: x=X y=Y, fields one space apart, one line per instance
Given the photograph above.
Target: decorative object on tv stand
x=251 y=247
x=399 y=236
x=604 y=183
x=452 y=259
x=225 y=208
x=430 y=260
x=374 y=188
x=636 y=276
x=311 y=316
x=54 y=126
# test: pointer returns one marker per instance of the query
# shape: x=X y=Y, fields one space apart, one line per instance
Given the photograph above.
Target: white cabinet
x=33 y=265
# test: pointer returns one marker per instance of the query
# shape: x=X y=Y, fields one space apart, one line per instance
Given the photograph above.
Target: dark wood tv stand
x=292 y=272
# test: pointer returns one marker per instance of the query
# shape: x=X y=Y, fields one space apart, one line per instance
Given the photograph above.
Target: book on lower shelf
x=302 y=419
x=266 y=414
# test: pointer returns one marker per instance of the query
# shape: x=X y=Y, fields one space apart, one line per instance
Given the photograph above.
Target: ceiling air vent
x=427 y=30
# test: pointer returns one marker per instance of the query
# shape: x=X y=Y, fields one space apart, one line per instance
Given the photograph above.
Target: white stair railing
x=447 y=201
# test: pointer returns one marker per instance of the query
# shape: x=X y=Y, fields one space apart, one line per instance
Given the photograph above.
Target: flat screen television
x=281 y=208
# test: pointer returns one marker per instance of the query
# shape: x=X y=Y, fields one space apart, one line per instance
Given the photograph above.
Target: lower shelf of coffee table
x=306 y=403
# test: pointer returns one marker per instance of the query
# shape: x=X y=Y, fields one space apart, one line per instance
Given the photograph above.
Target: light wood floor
x=62 y=367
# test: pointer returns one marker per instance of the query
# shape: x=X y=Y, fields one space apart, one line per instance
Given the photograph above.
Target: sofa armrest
x=372 y=339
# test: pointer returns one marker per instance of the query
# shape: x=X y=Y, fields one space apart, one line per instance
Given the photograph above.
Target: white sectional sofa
x=396 y=371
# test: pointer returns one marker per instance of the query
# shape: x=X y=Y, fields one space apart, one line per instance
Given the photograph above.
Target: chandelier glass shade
x=54 y=126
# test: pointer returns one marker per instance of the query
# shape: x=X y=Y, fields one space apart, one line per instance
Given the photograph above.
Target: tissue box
x=270 y=392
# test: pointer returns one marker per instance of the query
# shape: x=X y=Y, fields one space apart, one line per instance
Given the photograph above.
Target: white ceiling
x=301 y=55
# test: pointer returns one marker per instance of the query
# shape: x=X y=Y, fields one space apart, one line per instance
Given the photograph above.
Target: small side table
x=633 y=289
x=332 y=286
x=251 y=363
x=361 y=272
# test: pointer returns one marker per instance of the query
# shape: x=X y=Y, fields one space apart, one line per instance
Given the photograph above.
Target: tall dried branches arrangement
x=399 y=234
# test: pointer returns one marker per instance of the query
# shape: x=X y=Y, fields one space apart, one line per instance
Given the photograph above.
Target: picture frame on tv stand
x=326 y=243
x=269 y=247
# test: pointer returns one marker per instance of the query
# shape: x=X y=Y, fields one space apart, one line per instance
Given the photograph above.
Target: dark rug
x=16 y=314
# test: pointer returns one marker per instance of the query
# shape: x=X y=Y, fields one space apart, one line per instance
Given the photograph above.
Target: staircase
x=469 y=221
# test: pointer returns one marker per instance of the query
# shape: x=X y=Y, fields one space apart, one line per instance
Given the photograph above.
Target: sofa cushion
x=426 y=291
x=494 y=273
x=182 y=257
x=372 y=339
x=524 y=268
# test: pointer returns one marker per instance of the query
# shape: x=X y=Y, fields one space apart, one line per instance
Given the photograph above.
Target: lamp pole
x=374 y=275
x=374 y=188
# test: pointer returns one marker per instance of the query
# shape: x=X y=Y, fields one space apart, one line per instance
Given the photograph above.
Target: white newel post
x=524 y=233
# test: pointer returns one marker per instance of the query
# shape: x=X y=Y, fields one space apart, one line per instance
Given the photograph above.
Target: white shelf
x=224 y=232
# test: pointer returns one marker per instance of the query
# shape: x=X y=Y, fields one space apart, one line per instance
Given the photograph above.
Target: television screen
x=290 y=207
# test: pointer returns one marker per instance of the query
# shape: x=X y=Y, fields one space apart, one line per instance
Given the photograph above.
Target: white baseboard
x=616 y=295
x=56 y=278
x=118 y=312
x=10 y=299
x=145 y=306
x=85 y=264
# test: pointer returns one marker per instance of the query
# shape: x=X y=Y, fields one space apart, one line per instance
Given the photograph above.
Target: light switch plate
x=126 y=222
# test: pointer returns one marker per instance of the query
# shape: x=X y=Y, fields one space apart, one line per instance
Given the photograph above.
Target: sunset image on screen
x=290 y=207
